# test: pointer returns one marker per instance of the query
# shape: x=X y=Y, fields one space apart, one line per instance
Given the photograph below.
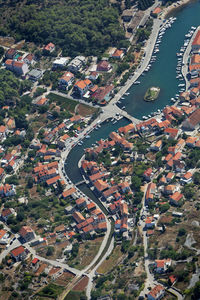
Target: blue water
x=163 y=70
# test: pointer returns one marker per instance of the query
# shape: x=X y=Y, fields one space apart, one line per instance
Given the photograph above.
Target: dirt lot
x=65 y=278
x=81 y=285
x=111 y=262
x=7 y=41
x=84 y=110
x=87 y=252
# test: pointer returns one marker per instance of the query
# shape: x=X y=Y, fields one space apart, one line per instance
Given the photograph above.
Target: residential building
x=19 y=253
x=192 y=122
x=18 y=67
x=156 y=293
x=27 y=233
x=76 y=64
x=29 y=59
x=196 y=42
x=35 y=74
x=104 y=66
x=67 y=79
x=60 y=62
x=6 y=213
x=50 y=47
x=82 y=86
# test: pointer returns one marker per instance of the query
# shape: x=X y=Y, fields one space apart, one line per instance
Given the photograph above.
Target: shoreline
x=167 y=11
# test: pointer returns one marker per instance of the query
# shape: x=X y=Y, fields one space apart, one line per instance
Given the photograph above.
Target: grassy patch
x=151 y=94
x=87 y=251
x=109 y=263
x=65 y=103
x=51 y=291
x=74 y=295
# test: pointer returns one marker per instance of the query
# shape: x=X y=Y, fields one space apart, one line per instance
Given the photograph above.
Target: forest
x=76 y=26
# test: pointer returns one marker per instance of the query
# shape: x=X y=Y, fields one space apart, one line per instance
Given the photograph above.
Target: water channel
x=162 y=74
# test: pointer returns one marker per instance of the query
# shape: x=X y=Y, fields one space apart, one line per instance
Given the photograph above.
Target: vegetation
x=144 y=4
x=152 y=94
x=89 y=28
x=51 y=290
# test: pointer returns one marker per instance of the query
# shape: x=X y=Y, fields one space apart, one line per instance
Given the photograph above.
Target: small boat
x=137 y=82
x=149 y=116
x=126 y=94
x=87 y=136
x=144 y=118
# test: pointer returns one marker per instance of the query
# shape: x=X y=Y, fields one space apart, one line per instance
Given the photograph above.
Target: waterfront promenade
x=185 y=60
x=148 y=49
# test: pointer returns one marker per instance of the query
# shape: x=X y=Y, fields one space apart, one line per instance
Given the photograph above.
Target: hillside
x=77 y=26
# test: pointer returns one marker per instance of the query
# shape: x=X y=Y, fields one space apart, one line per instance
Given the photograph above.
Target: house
x=6 y=213
x=118 y=54
x=186 y=178
x=156 y=293
x=162 y=265
x=67 y=79
x=42 y=101
x=82 y=86
x=149 y=223
x=76 y=64
x=29 y=59
x=176 y=198
x=171 y=133
x=26 y=233
x=191 y=140
x=93 y=75
x=196 y=42
x=170 y=176
x=124 y=186
x=104 y=66
x=7 y=190
x=170 y=189
x=156 y=12
x=69 y=192
x=101 y=185
x=10 y=53
x=81 y=203
x=78 y=217
x=49 y=48
x=4 y=235
x=192 y=122
x=123 y=209
x=103 y=94
x=35 y=74
x=195 y=59
x=18 y=67
x=157 y=146
x=148 y=174
x=150 y=193
x=60 y=62
x=19 y=253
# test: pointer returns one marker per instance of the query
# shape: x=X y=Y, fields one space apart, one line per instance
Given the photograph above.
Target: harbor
x=133 y=101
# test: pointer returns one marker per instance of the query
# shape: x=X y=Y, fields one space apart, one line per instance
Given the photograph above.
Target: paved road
x=176 y=293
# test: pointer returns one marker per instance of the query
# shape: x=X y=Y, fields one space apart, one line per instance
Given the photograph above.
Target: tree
x=136 y=182
x=181 y=232
x=50 y=251
x=1 y=52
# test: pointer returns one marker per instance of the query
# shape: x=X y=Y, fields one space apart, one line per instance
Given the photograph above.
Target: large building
x=193 y=121
x=196 y=42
